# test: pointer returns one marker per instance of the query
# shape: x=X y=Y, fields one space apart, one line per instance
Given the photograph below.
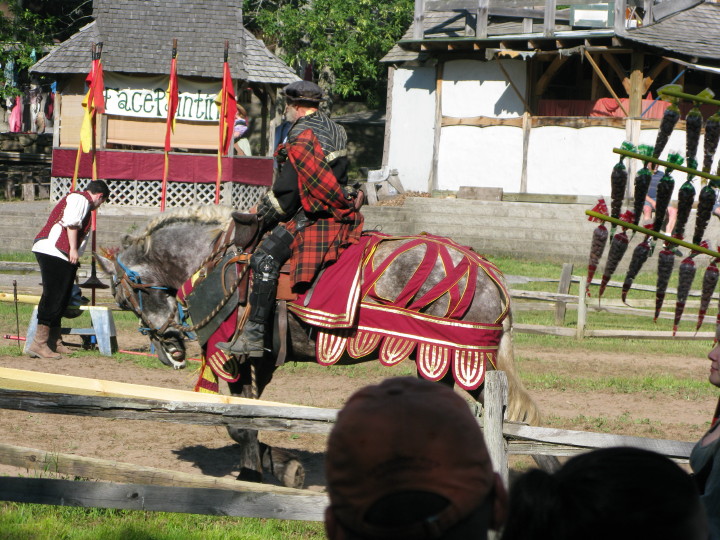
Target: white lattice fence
x=146 y=193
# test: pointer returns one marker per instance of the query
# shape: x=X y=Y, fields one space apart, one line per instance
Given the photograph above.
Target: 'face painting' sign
x=145 y=97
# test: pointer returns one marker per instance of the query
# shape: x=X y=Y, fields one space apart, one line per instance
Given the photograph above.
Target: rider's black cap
x=303 y=91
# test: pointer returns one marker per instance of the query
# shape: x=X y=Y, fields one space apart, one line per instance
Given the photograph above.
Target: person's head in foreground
x=620 y=493
x=406 y=460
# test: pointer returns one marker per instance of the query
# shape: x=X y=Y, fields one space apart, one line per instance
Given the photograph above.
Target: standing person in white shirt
x=58 y=248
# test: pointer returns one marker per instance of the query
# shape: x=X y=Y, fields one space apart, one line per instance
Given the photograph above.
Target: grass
x=25 y=521
x=666 y=385
x=39 y=522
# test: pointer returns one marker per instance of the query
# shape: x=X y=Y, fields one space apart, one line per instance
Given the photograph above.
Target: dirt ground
x=209 y=451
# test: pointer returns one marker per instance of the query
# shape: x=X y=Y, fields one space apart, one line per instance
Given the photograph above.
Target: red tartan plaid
x=335 y=224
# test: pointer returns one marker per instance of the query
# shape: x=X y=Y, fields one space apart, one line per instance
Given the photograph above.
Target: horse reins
x=132 y=286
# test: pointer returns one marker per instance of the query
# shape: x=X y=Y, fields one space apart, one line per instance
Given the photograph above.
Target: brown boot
x=55 y=342
x=39 y=347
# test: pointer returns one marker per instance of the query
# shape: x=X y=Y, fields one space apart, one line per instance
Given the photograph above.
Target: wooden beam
x=619 y=71
x=481 y=121
x=636 y=83
x=214 y=502
x=654 y=73
x=527 y=128
x=549 y=21
x=289 y=418
x=418 y=19
x=481 y=20
x=549 y=73
x=512 y=84
x=605 y=81
x=433 y=179
x=620 y=7
x=40 y=461
x=19 y=379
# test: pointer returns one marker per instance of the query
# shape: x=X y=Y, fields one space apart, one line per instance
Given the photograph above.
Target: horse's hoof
x=294 y=474
x=248 y=475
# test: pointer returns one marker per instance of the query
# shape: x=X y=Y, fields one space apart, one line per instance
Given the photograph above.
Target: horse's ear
x=106 y=264
x=125 y=240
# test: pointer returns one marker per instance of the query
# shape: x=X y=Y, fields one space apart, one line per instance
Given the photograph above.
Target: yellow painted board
x=35 y=381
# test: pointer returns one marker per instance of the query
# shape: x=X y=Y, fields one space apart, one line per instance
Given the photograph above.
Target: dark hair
x=619 y=493
x=98 y=186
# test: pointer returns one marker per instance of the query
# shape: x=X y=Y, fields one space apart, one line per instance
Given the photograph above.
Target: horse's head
x=136 y=289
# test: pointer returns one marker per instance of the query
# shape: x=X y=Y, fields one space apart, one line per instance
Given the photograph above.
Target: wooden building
x=521 y=96
x=137 y=38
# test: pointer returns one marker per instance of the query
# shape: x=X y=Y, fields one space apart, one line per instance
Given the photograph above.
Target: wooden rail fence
x=562 y=301
x=145 y=488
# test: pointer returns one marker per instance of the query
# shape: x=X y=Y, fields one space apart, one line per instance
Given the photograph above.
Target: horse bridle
x=132 y=287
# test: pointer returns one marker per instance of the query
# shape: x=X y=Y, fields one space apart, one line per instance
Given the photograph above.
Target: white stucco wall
x=561 y=160
x=410 y=150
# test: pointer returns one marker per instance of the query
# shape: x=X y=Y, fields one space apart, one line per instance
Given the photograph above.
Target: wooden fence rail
x=562 y=300
x=144 y=488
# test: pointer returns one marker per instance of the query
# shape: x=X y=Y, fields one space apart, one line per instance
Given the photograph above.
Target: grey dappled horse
x=174 y=245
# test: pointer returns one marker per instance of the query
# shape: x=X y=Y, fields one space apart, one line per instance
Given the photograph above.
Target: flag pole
x=170 y=122
x=222 y=127
x=73 y=183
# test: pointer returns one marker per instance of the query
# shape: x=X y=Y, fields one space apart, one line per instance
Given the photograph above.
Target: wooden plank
x=579 y=122
x=40 y=461
x=605 y=81
x=18 y=379
x=613 y=62
x=19 y=266
x=563 y=288
x=549 y=73
x=418 y=19
x=541 y=330
x=643 y=334
x=214 y=502
x=481 y=19
x=527 y=128
x=587 y=439
x=272 y=418
x=549 y=21
x=496 y=400
x=433 y=180
x=636 y=83
x=653 y=74
x=480 y=121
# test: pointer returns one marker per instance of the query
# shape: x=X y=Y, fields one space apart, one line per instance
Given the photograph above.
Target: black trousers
x=58 y=277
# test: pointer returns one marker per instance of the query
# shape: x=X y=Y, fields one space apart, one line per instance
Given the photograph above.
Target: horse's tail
x=521 y=407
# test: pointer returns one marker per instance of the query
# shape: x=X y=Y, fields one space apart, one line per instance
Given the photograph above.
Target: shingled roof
x=137 y=38
x=694 y=33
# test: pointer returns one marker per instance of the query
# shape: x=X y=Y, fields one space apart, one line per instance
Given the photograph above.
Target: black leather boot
x=251 y=342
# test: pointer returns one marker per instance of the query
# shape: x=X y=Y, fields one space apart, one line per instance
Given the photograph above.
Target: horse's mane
x=203 y=215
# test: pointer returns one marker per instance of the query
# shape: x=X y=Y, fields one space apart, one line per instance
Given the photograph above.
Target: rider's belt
x=332 y=156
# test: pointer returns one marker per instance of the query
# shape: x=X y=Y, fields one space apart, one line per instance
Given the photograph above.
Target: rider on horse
x=310 y=210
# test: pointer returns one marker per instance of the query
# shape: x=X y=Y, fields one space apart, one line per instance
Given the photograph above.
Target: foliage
x=342 y=40
x=28 y=29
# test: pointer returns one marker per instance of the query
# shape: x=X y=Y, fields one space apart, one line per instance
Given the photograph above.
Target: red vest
x=63 y=243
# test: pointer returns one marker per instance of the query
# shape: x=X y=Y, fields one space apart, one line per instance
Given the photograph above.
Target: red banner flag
x=93 y=103
x=172 y=101
x=228 y=108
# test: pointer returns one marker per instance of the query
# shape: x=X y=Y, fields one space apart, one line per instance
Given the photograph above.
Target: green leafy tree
x=342 y=40
x=28 y=28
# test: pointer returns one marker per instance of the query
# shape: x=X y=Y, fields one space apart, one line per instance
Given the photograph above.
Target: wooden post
x=620 y=6
x=433 y=180
x=496 y=399
x=636 y=83
x=563 y=288
x=418 y=31
x=526 y=127
x=481 y=20
x=388 y=115
x=647 y=8
x=582 y=310
x=549 y=24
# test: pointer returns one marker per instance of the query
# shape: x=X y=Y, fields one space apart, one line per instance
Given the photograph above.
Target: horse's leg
x=250 y=462
x=255 y=455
